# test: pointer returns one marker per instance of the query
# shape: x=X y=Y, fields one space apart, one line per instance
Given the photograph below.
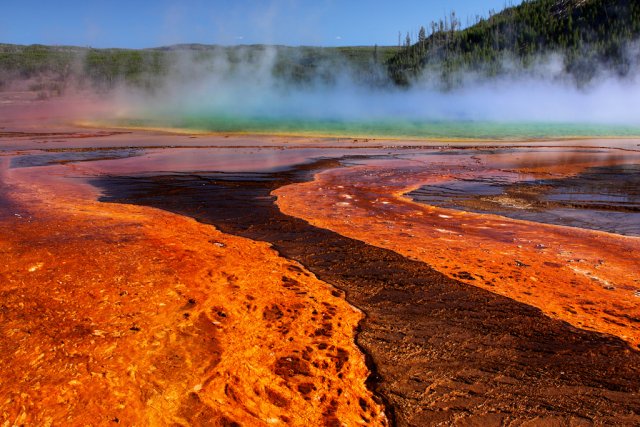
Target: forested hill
x=588 y=33
x=51 y=69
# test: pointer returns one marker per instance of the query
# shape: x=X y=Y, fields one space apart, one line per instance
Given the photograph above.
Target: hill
x=54 y=67
x=587 y=33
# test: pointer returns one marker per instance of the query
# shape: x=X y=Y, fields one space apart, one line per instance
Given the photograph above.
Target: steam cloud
x=249 y=88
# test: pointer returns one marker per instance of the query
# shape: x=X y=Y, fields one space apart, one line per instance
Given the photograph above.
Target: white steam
x=249 y=87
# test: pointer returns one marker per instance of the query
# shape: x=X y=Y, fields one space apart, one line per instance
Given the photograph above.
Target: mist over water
x=249 y=95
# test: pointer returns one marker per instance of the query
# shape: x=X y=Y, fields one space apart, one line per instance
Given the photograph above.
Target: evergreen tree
x=422 y=35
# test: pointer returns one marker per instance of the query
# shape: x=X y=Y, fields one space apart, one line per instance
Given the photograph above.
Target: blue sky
x=141 y=23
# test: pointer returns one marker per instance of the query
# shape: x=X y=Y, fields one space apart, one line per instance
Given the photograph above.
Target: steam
x=254 y=86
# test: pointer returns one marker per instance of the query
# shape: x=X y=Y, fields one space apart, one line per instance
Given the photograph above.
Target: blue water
x=390 y=128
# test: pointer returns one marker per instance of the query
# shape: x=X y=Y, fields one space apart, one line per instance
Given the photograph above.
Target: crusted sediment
x=125 y=314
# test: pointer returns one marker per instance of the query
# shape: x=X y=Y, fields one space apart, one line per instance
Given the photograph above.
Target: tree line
x=588 y=34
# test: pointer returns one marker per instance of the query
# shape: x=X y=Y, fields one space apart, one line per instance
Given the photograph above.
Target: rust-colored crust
x=117 y=313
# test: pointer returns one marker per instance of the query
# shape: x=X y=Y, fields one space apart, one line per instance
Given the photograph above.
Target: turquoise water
x=391 y=128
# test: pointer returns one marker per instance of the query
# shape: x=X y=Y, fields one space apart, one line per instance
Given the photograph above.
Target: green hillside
x=588 y=33
x=57 y=65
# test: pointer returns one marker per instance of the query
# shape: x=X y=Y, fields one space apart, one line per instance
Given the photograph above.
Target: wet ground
x=443 y=351
x=119 y=313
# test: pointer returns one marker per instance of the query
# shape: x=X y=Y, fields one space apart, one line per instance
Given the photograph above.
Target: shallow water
x=600 y=198
x=89 y=155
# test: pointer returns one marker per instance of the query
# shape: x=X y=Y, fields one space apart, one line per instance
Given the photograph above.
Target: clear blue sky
x=142 y=23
